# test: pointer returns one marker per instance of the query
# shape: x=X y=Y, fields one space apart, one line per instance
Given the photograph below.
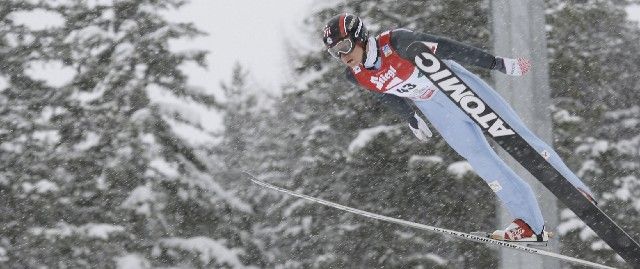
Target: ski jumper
x=397 y=79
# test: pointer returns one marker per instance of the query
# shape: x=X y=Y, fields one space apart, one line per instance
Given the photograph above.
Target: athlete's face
x=354 y=57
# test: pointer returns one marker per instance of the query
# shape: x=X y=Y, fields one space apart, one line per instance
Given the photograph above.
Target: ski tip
x=249 y=174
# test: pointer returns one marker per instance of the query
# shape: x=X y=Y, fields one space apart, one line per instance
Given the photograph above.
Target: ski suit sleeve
x=396 y=103
x=447 y=48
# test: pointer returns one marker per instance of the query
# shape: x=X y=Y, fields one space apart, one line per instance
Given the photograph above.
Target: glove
x=419 y=128
x=512 y=67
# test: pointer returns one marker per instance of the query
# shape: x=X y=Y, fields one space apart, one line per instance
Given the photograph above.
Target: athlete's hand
x=419 y=128
x=513 y=67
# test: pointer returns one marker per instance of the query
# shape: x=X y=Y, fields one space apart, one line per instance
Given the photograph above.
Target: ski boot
x=520 y=232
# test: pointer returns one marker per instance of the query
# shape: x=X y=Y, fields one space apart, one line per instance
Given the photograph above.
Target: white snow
x=95 y=3
x=366 y=135
x=429 y=256
x=292 y=207
x=570 y=222
x=3 y=255
x=306 y=223
x=42 y=186
x=599 y=147
x=623 y=194
x=148 y=138
x=61 y=230
x=586 y=233
x=91 y=32
x=629 y=146
x=460 y=169
x=633 y=11
x=630 y=123
x=634 y=111
x=140 y=200
x=88 y=96
x=171 y=103
x=569 y=225
x=437 y=259
x=165 y=168
x=4 y=181
x=315 y=133
x=206 y=182
x=4 y=83
x=210 y=120
x=194 y=136
x=589 y=166
x=12 y=40
x=320 y=128
x=132 y=261
x=91 y=230
x=38 y=19
x=323 y=259
x=123 y=52
x=207 y=250
x=54 y=72
x=16 y=145
x=563 y=116
x=593 y=146
x=348 y=227
x=91 y=139
x=416 y=160
x=599 y=245
x=100 y=230
x=47 y=113
x=101 y=182
x=48 y=137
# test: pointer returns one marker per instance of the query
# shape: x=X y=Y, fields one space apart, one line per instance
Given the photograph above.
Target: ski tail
x=445 y=232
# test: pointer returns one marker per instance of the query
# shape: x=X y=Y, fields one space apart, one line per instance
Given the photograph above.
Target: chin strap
x=371 y=54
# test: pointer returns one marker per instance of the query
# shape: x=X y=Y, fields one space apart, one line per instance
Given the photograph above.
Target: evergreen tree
x=595 y=89
x=113 y=161
x=249 y=139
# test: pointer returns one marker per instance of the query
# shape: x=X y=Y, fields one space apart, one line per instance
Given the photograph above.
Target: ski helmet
x=344 y=26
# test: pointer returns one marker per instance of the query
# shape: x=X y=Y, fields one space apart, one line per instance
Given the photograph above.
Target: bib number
x=406 y=88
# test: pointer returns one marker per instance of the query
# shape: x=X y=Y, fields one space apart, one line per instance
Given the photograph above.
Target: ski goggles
x=342 y=47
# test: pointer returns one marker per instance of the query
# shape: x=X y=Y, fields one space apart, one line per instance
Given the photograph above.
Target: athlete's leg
x=500 y=106
x=466 y=138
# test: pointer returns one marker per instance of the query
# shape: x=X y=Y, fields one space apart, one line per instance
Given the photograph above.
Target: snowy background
x=119 y=149
x=253 y=33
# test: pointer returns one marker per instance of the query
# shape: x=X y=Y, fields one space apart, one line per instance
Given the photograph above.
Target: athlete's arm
x=454 y=50
x=447 y=48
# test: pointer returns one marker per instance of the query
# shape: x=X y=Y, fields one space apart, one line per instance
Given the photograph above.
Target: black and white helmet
x=344 y=26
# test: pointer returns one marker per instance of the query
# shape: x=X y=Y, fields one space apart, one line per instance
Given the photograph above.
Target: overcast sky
x=249 y=31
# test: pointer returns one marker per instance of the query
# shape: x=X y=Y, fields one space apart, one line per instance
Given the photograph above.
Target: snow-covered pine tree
x=594 y=65
x=111 y=161
x=250 y=142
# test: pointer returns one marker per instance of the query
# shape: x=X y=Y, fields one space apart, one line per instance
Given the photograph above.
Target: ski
x=530 y=243
x=499 y=130
x=445 y=232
